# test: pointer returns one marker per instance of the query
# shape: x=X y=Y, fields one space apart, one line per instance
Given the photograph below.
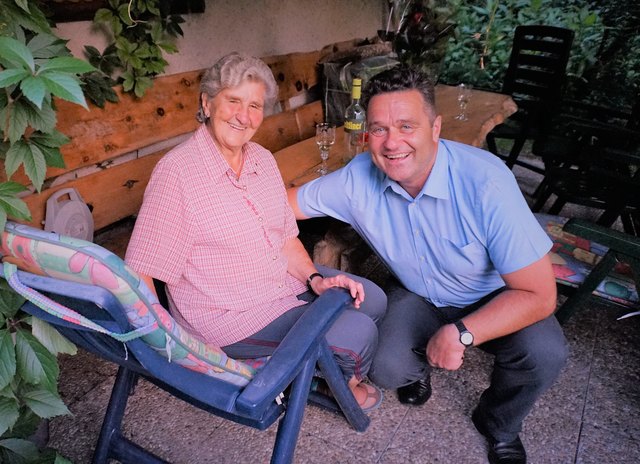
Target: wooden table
x=298 y=163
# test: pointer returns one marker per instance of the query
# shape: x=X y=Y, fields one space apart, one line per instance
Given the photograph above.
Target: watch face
x=466 y=338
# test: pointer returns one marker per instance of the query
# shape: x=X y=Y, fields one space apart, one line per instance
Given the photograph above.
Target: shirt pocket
x=463 y=261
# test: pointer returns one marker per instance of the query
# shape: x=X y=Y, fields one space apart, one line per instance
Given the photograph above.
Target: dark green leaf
x=51 y=338
x=65 y=87
x=18 y=120
x=35 y=166
x=103 y=15
x=10 y=301
x=34 y=89
x=54 y=139
x=9 y=413
x=44 y=403
x=36 y=365
x=24 y=448
x=43 y=120
x=47 y=46
x=7 y=359
x=15 y=54
x=15 y=156
x=12 y=76
x=66 y=64
x=52 y=156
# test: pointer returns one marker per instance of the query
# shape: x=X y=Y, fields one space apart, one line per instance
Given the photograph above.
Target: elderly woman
x=216 y=227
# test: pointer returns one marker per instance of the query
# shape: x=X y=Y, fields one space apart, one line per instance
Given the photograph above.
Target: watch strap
x=310 y=278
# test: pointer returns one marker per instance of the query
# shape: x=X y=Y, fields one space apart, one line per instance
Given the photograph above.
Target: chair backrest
x=75 y=260
x=537 y=67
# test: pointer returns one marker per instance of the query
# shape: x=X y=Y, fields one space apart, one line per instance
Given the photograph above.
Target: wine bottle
x=355 y=122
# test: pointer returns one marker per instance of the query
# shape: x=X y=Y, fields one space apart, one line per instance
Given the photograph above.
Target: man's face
x=235 y=115
x=402 y=140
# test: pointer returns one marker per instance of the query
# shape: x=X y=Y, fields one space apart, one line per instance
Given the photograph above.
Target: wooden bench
x=113 y=151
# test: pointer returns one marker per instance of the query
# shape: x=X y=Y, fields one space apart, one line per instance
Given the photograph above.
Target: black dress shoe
x=500 y=452
x=416 y=393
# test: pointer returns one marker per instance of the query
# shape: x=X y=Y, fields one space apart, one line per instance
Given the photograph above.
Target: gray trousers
x=353 y=337
x=526 y=362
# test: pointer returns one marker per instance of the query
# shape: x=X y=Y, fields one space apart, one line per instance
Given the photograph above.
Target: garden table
x=299 y=162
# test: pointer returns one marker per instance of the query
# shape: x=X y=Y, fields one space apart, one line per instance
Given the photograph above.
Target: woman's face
x=235 y=114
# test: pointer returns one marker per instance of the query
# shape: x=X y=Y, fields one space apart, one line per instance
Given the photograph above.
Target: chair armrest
x=617 y=241
x=290 y=356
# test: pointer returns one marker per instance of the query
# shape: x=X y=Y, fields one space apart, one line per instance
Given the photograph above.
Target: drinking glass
x=464 y=95
x=325 y=137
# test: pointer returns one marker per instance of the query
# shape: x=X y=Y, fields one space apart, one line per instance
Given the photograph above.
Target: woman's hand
x=319 y=285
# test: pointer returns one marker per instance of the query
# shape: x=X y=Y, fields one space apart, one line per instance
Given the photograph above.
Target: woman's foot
x=369 y=397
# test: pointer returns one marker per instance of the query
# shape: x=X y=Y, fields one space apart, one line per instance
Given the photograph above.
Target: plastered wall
x=257 y=27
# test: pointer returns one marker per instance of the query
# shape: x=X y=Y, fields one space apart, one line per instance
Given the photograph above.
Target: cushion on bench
x=76 y=260
x=573 y=258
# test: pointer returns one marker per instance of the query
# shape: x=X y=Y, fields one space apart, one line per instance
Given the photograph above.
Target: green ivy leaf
x=36 y=365
x=7 y=359
x=15 y=156
x=35 y=166
x=43 y=119
x=103 y=15
x=34 y=89
x=53 y=139
x=123 y=14
x=9 y=413
x=15 y=54
x=10 y=301
x=141 y=86
x=18 y=121
x=46 y=46
x=12 y=76
x=51 y=338
x=65 y=87
x=44 y=403
x=26 y=449
x=66 y=64
x=11 y=205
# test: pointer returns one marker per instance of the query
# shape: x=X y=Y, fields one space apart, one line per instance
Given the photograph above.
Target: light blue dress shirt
x=468 y=225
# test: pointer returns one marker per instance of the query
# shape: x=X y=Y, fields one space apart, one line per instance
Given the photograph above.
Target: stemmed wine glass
x=325 y=137
x=464 y=95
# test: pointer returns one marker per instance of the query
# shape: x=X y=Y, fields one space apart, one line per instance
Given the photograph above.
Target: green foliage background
x=605 y=60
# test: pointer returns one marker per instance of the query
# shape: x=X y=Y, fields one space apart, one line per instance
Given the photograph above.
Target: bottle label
x=353 y=126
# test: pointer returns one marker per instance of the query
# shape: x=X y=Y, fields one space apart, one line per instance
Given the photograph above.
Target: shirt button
x=274 y=258
x=280 y=286
x=416 y=231
x=260 y=219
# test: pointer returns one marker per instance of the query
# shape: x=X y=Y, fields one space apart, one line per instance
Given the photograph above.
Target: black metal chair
x=534 y=78
x=593 y=164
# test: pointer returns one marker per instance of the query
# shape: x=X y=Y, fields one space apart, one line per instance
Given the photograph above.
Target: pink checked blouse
x=217 y=239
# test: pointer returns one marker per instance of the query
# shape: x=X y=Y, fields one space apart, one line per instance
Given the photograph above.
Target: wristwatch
x=310 y=278
x=466 y=337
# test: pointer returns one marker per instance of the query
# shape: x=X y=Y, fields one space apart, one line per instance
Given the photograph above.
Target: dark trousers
x=526 y=362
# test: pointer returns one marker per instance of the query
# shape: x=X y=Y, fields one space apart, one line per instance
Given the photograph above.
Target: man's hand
x=444 y=349
x=355 y=288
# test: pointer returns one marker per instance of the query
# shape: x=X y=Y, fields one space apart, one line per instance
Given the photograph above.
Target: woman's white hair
x=232 y=70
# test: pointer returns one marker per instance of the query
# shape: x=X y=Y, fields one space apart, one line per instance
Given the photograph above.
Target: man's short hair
x=400 y=78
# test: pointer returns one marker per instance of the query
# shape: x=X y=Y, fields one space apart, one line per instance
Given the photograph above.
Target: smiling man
x=469 y=258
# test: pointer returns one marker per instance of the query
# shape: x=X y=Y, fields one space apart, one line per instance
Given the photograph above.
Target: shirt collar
x=437 y=184
x=212 y=158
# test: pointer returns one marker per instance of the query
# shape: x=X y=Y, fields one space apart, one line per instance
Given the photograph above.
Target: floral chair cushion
x=573 y=258
x=76 y=260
